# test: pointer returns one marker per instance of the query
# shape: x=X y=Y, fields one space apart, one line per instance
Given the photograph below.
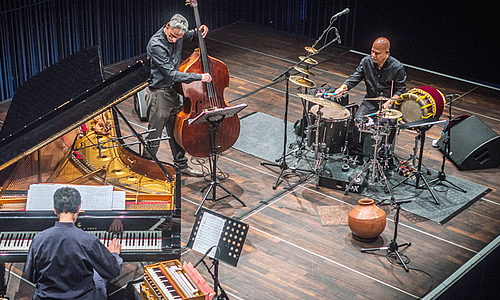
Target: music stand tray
x=217 y=114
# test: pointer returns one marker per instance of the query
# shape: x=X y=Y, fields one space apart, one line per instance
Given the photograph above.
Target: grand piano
x=63 y=126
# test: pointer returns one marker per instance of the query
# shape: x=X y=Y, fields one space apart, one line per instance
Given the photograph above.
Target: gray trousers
x=163 y=106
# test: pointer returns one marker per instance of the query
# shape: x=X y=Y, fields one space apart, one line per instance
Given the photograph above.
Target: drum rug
x=262 y=136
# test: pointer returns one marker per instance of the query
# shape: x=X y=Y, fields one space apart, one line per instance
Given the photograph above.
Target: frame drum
x=421 y=103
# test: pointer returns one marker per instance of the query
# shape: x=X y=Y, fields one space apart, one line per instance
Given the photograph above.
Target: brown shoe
x=191 y=172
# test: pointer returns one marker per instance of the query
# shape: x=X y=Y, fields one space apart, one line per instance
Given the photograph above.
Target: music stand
x=215 y=117
x=421 y=126
x=211 y=232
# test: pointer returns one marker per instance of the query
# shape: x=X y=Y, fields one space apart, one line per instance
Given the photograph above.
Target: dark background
x=459 y=38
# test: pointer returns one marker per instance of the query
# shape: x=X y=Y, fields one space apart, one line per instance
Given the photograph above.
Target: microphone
x=344 y=12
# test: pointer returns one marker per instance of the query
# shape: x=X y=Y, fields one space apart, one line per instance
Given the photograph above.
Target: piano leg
x=3 y=288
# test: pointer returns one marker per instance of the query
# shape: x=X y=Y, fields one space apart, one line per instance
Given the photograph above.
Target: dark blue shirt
x=166 y=58
x=61 y=261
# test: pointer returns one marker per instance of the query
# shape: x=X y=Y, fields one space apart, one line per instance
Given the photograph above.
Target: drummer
x=384 y=77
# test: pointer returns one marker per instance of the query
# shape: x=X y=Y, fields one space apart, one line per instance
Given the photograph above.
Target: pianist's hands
x=115 y=246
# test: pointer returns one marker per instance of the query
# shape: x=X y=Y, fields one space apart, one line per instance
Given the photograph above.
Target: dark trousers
x=163 y=106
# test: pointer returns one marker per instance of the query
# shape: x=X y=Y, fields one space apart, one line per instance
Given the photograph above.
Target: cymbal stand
x=318 y=154
x=393 y=247
x=441 y=177
x=418 y=172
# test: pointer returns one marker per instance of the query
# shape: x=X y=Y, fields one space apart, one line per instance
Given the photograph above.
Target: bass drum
x=421 y=103
x=332 y=129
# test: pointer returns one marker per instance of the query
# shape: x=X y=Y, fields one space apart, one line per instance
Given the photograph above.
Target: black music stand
x=215 y=117
x=421 y=126
x=220 y=238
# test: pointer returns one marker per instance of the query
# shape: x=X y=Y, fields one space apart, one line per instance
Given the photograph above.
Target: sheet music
x=209 y=233
x=41 y=197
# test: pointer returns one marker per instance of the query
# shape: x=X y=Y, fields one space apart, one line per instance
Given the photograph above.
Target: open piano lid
x=62 y=97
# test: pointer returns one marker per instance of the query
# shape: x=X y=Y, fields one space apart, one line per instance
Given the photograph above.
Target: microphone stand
x=283 y=165
x=441 y=177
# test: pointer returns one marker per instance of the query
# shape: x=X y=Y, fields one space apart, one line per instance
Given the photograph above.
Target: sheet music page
x=41 y=196
x=118 y=200
x=209 y=233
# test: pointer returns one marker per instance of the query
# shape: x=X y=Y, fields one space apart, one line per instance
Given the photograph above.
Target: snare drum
x=333 y=128
x=421 y=103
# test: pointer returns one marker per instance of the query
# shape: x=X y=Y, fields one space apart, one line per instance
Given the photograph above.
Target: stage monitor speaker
x=141 y=108
x=473 y=145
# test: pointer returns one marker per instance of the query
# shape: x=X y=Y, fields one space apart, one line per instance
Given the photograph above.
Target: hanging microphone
x=344 y=12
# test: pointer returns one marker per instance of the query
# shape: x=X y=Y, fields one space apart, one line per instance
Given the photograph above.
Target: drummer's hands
x=342 y=89
x=387 y=104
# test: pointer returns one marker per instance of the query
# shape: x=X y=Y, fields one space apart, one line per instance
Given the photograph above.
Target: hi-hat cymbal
x=320 y=101
x=310 y=61
x=311 y=50
x=377 y=99
x=302 y=81
x=391 y=114
x=303 y=70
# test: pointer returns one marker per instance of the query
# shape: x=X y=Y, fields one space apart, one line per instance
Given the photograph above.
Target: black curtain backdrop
x=456 y=38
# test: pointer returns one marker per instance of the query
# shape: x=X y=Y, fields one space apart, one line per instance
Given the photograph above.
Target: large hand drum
x=421 y=103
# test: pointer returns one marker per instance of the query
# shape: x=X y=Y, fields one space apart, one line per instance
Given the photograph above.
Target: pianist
x=65 y=262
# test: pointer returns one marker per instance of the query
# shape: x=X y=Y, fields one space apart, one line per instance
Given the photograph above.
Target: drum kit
x=328 y=123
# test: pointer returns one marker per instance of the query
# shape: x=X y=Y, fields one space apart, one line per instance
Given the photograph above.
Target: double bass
x=200 y=96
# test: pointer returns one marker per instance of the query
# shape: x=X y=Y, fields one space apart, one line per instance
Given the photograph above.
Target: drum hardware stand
x=441 y=177
x=375 y=165
x=421 y=128
x=214 y=118
x=392 y=248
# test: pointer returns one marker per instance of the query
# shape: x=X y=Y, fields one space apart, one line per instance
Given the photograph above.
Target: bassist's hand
x=204 y=30
x=205 y=77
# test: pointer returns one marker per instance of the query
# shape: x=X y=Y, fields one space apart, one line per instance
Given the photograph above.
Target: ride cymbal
x=304 y=71
x=311 y=50
x=309 y=61
x=320 y=101
x=299 y=80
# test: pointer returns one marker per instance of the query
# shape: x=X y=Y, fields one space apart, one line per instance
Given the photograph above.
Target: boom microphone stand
x=392 y=248
x=283 y=165
x=441 y=177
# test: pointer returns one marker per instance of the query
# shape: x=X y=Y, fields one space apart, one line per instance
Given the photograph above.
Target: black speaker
x=141 y=108
x=473 y=145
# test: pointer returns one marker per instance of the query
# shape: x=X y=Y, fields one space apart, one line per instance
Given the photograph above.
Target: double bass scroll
x=200 y=96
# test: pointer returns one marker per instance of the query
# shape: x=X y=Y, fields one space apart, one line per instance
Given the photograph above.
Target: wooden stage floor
x=288 y=254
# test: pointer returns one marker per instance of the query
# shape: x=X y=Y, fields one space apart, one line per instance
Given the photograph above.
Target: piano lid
x=62 y=97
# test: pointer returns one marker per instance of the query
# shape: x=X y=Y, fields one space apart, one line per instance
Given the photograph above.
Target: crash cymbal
x=311 y=50
x=310 y=61
x=302 y=81
x=303 y=70
x=320 y=101
x=391 y=114
x=377 y=99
